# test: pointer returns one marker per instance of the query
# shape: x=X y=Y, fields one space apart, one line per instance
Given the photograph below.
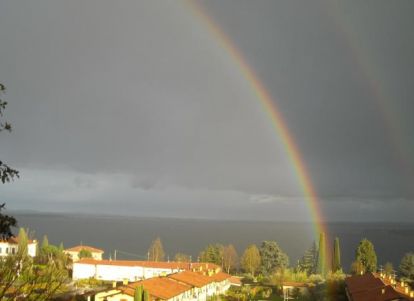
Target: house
x=189 y=285
x=376 y=287
x=74 y=252
x=11 y=245
x=120 y=270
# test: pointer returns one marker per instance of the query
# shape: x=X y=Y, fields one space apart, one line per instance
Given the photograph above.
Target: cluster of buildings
x=377 y=287
x=9 y=247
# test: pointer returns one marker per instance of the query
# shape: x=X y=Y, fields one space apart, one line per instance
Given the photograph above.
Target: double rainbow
x=272 y=111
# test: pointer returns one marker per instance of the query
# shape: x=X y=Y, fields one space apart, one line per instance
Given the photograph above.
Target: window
x=13 y=250
x=7 y=250
x=0 y=250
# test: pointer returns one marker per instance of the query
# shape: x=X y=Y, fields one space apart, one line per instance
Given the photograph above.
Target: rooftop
x=87 y=248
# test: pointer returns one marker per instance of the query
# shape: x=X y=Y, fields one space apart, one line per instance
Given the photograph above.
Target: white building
x=74 y=252
x=10 y=247
x=120 y=270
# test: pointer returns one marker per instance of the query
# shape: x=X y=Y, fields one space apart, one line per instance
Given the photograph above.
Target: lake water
x=131 y=236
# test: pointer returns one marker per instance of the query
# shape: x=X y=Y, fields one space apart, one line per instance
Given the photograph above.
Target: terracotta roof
x=220 y=276
x=172 y=265
x=192 y=278
x=15 y=240
x=159 y=287
x=235 y=280
x=371 y=287
x=87 y=248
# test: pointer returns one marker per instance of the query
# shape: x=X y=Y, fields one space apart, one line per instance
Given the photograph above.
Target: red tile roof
x=87 y=248
x=220 y=276
x=15 y=240
x=371 y=287
x=159 y=287
x=192 y=278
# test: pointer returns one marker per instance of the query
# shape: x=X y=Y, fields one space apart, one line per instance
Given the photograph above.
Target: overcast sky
x=134 y=107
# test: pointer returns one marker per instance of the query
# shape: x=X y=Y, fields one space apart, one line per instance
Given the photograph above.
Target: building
x=74 y=252
x=189 y=285
x=377 y=287
x=120 y=270
x=11 y=245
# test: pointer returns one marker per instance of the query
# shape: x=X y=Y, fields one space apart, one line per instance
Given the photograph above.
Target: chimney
x=411 y=294
x=406 y=290
x=383 y=291
x=125 y=282
x=113 y=284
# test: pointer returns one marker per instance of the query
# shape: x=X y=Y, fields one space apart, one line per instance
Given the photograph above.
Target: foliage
x=321 y=265
x=146 y=296
x=212 y=253
x=336 y=258
x=138 y=293
x=357 y=268
x=308 y=261
x=83 y=253
x=366 y=256
x=388 y=269
x=283 y=275
x=181 y=257
x=49 y=252
x=331 y=289
x=6 y=224
x=407 y=266
x=272 y=257
x=156 y=250
x=230 y=258
x=251 y=259
x=22 y=278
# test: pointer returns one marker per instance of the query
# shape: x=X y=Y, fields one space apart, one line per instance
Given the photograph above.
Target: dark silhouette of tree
x=273 y=257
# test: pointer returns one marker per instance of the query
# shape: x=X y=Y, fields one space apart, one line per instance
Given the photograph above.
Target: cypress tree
x=146 y=296
x=138 y=293
x=336 y=259
x=321 y=267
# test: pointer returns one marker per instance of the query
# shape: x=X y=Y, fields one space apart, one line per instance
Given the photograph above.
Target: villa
x=11 y=245
x=74 y=252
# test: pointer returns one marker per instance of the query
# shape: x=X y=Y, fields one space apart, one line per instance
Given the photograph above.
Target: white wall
x=8 y=248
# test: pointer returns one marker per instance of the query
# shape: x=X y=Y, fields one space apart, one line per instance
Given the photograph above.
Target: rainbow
x=273 y=113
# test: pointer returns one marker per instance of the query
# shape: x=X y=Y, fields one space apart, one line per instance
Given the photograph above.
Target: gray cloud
x=144 y=92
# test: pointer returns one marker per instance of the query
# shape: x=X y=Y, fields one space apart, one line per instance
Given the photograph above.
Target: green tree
x=357 y=268
x=23 y=242
x=336 y=258
x=138 y=293
x=7 y=174
x=272 y=257
x=181 y=257
x=388 y=268
x=250 y=260
x=83 y=253
x=309 y=260
x=146 y=296
x=156 y=250
x=321 y=266
x=230 y=258
x=212 y=253
x=366 y=256
x=407 y=266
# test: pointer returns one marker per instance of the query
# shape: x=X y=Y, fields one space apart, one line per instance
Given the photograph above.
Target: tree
x=212 y=253
x=138 y=293
x=366 y=256
x=7 y=174
x=321 y=266
x=230 y=257
x=357 y=268
x=388 y=269
x=146 y=296
x=181 y=257
x=336 y=258
x=156 y=250
x=407 y=266
x=83 y=253
x=308 y=261
x=273 y=257
x=251 y=259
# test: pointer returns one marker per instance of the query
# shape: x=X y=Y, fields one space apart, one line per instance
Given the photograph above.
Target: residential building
x=120 y=270
x=11 y=245
x=74 y=252
x=377 y=287
x=189 y=285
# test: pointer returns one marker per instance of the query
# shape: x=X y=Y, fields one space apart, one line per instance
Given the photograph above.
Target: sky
x=136 y=108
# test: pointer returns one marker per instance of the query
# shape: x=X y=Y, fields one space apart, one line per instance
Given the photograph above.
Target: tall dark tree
x=336 y=258
x=321 y=266
x=273 y=257
x=212 y=253
x=407 y=266
x=309 y=260
x=366 y=256
x=7 y=174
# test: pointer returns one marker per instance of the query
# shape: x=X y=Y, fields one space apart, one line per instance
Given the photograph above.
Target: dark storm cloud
x=139 y=103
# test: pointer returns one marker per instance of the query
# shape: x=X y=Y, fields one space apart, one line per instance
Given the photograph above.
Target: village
x=93 y=278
